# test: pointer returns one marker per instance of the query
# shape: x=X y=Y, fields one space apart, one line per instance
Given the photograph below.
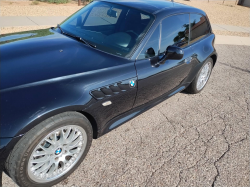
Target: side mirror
x=173 y=53
x=150 y=52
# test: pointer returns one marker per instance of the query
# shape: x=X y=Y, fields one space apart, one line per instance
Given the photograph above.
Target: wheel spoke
x=50 y=141
x=72 y=136
x=45 y=167
x=67 y=133
x=57 y=153
x=39 y=153
x=50 y=172
x=56 y=166
x=48 y=150
x=74 y=151
x=74 y=143
x=40 y=160
x=55 y=137
x=35 y=167
x=62 y=137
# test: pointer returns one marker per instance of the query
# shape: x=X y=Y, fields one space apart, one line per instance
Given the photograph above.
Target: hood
x=33 y=56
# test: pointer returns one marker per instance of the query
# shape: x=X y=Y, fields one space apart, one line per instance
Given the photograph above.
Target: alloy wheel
x=57 y=153
x=204 y=75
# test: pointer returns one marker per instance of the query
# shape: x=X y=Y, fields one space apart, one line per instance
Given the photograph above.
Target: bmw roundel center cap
x=58 y=151
x=132 y=83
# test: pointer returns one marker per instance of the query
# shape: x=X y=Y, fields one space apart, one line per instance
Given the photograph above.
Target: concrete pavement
x=12 y=21
x=232 y=40
x=230 y=28
x=187 y=140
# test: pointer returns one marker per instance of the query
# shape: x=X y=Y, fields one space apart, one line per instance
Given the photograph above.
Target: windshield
x=112 y=28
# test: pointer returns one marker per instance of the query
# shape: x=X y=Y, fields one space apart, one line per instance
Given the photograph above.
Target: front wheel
x=201 y=78
x=51 y=151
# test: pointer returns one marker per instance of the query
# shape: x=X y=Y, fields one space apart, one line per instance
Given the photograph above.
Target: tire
x=194 y=87
x=69 y=133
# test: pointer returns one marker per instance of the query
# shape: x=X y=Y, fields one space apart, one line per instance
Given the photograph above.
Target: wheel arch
x=49 y=114
x=92 y=122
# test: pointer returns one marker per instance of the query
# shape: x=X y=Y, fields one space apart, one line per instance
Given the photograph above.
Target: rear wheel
x=51 y=151
x=201 y=78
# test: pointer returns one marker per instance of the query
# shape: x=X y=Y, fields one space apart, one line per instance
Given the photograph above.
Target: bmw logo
x=58 y=151
x=132 y=83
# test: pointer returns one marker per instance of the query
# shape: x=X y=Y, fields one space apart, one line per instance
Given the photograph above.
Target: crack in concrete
x=231 y=66
x=222 y=156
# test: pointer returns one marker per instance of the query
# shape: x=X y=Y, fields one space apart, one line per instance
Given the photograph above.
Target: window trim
x=188 y=21
x=136 y=59
x=209 y=29
x=160 y=23
x=209 y=25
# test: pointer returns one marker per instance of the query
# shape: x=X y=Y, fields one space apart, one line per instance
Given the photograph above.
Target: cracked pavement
x=187 y=140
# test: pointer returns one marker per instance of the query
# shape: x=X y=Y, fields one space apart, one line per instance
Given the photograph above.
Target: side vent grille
x=111 y=90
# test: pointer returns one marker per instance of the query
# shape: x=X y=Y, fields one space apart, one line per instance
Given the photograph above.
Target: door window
x=199 y=27
x=175 y=32
x=151 y=49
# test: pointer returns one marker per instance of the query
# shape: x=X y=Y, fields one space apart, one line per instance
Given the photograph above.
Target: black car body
x=47 y=72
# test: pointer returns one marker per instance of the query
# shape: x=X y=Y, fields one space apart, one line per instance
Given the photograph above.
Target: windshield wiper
x=58 y=26
x=84 y=41
x=76 y=37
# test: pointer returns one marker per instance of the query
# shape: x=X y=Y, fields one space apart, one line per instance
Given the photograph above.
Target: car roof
x=152 y=6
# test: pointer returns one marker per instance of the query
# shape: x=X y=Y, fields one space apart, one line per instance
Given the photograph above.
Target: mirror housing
x=173 y=53
x=150 y=52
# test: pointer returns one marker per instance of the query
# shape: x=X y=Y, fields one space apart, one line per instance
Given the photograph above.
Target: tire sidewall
x=194 y=85
x=22 y=167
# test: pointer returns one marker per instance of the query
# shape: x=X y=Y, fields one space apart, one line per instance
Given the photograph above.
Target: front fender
x=24 y=107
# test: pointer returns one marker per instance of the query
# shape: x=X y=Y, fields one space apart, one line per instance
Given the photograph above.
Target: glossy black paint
x=44 y=73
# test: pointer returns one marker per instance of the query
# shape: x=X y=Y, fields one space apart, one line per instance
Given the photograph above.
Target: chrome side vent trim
x=110 y=90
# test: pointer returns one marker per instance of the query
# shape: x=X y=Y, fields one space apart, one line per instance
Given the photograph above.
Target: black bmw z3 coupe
x=106 y=64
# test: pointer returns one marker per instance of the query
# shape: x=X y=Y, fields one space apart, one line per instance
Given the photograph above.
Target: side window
x=175 y=32
x=99 y=16
x=199 y=27
x=152 y=47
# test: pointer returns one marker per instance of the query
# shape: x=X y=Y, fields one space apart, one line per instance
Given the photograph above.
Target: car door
x=113 y=89
x=155 y=81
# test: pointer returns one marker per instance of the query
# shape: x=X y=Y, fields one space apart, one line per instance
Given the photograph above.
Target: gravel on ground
x=42 y=9
x=187 y=140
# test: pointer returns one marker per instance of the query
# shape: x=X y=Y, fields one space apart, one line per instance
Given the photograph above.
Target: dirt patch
x=24 y=8
x=27 y=3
